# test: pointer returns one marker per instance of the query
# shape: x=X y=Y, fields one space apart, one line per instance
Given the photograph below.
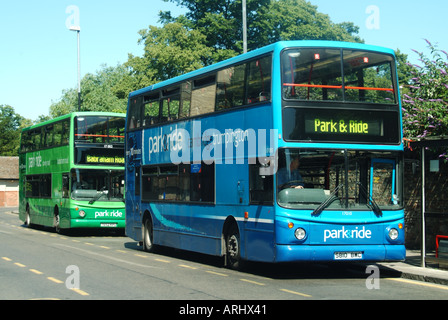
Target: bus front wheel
x=28 y=217
x=57 y=220
x=147 y=233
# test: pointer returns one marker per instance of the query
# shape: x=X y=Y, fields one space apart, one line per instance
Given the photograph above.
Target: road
x=36 y=263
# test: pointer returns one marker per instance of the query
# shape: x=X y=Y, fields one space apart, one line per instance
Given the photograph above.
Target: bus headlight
x=82 y=213
x=393 y=234
x=300 y=233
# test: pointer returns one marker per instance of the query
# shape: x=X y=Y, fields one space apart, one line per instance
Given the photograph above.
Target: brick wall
x=9 y=193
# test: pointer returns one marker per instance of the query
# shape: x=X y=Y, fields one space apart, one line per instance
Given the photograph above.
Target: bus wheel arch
x=231 y=237
x=147 y=232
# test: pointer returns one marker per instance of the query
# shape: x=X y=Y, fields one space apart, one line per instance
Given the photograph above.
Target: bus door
x=383 y=181
x=259 y=214
x=133 y=176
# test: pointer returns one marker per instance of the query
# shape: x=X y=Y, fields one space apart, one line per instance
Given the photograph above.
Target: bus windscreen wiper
x=373 y=205
x=102 y=192
x=330 y=199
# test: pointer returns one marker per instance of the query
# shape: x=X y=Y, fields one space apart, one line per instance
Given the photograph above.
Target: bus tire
x=233 y=249
x=56 y=220
x=28 y=217
x=147 y=235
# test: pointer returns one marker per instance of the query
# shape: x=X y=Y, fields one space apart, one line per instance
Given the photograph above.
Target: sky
x=38 y=53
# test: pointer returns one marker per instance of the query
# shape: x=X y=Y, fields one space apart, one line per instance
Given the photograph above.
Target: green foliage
x=268 y=21
x=298 y=20
x=10 y=123
x=99 y=92
x=404 y=69
x=209 y=32
x=425 y=99
x=169 y=51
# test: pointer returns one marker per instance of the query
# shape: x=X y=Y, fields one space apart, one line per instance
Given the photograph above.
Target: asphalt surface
x=411 y=268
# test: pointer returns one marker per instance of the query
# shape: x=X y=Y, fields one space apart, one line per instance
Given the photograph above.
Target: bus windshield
x=329 y=74
x=97 y=185
x=99 y=129
x=99 y=140
x=344 y=179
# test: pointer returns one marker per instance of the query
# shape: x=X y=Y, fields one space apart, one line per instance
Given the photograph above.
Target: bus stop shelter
x=423 y=144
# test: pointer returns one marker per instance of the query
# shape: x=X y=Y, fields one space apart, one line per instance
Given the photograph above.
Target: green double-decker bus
x=72 y=172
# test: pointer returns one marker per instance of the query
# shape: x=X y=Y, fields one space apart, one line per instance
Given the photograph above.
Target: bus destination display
x=343 y=126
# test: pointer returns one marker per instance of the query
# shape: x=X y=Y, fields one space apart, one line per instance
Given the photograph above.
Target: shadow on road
x=278 y=271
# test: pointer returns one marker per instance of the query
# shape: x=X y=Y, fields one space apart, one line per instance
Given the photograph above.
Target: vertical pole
x=244 y=27
x=423 y=241
x=79 y=72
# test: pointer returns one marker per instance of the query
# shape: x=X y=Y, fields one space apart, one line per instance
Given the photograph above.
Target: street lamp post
x=78 y=31
x=244 y=27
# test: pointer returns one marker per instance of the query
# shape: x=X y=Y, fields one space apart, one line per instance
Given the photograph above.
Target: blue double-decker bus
x=292 y=152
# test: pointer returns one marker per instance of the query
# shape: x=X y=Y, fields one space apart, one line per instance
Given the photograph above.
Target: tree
x=268 y=21
x=298 y=20
x=99 y=92
x=10 y=124
x=404 y=69
x=209 y=32
x=425 y=99
x=169 y=51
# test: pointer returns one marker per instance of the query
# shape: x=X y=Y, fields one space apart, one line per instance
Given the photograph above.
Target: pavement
x=411 y=268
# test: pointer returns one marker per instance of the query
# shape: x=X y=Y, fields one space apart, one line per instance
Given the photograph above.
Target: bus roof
x=74 y=114
x=277 y=47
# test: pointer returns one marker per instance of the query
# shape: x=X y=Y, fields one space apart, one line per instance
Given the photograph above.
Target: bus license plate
x=109 y=225
x=348 y=255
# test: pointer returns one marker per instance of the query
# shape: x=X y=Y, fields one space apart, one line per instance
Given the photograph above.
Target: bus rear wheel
x=233 y=249
x=147 y=234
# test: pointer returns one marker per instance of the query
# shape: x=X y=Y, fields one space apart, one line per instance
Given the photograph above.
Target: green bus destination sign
x=104 y=159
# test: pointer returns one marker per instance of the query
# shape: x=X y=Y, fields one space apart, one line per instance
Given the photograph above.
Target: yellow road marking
x=20 y=265
x=140 y=255
x=253 y=282
x=6 y=258
x=217 y=273
x=188 y=267
x=55 y=280
x=419 y=283
x=81 y=292
x=162 y=260
x=297 y=293
x=36 y=271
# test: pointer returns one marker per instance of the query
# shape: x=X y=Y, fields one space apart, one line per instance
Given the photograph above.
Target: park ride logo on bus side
x=192 y=144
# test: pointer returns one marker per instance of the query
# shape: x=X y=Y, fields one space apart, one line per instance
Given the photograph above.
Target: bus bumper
x=296 y=253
